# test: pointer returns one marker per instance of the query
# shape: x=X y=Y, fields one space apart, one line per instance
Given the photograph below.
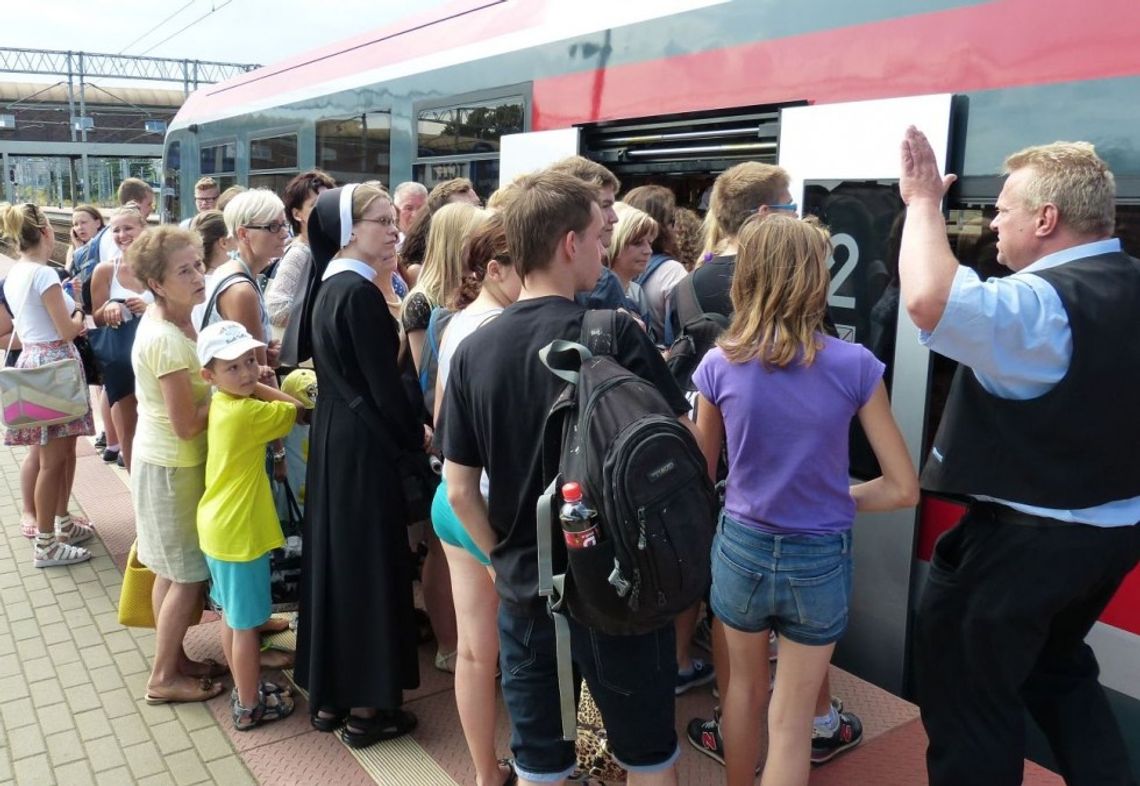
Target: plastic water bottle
x=579 y=523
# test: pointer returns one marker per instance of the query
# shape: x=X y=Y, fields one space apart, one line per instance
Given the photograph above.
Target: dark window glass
x=274 y=181
x=357 y=148
x=171 y=180
x=470 y=129
x=865 y=220
x=218 y=159
x=484 y=174
x=275 y=152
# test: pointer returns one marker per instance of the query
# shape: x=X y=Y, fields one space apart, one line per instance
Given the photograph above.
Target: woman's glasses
x=273 y=227
x=384 y=222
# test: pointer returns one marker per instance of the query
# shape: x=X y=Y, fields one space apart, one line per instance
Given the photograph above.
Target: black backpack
x=643 y=472
x=699 y=330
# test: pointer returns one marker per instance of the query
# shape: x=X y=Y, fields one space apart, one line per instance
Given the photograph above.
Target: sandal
x=28 y=526
x=269 y=707
x=384 y=725
x=73 y=533
x=330 y=722
x=207 y=690
x=268 y=688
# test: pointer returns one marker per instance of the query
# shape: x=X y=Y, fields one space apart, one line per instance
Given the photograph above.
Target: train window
x=865 y=220
x=357 y=148
x=272 y=162
x=470 y=129
x=171 y=181
x=219 y=162
x=975 y=245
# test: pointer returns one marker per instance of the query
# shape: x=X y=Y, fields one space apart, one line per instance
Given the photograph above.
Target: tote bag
x=44 y=396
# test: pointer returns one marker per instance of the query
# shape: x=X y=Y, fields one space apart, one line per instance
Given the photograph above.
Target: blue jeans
x=631 y=679
x=798 y=585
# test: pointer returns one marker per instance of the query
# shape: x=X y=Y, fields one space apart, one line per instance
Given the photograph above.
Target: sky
x=237 y=31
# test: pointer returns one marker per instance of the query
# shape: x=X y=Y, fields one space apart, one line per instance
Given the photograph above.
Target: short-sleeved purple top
x=787 y=433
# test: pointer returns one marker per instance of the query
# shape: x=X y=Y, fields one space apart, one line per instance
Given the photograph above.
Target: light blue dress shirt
x=1014 y=334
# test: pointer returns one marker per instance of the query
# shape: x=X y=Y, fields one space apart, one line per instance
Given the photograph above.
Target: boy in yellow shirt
x=237 y=520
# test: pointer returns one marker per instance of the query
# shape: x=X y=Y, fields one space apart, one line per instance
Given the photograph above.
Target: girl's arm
x=187 y=419
x=270 y=393
x=67 y=325
x=416 y=341
x=710 y=433
x=897 y=487
x=241 y=304
x=100 y=295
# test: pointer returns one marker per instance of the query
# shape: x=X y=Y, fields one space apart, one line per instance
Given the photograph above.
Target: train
x=674 y=92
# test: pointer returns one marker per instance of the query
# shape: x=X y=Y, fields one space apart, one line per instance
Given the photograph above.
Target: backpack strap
x=217 y=291
x=551 y=587
x=431 y=345
x=655 y=263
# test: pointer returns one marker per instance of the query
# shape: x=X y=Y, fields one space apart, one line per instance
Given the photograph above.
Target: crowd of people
x=424 y=314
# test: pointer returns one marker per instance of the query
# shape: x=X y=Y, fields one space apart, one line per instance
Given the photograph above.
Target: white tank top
x=460 y=327
x=120 y=292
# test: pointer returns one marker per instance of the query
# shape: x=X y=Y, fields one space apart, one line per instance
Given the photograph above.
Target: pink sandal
x=28 y=526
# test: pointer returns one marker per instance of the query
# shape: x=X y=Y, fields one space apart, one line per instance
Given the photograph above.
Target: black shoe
x=101 y=441
x=119 y=461
x=826 y=747
x=384 y=725
x=110 y=456
x=330 y=724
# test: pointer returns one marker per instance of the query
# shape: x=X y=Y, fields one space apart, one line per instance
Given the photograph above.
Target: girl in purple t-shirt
x=783 y=395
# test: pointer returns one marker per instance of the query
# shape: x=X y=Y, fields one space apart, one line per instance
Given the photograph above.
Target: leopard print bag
x=596 y=765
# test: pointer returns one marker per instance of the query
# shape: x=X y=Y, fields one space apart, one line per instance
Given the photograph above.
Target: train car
x=675 y=91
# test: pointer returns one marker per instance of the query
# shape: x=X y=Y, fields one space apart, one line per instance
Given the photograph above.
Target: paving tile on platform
x=313 y=758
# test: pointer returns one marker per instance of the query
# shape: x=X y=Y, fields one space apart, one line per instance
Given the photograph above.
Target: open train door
x=523 y=153
x=844 y=163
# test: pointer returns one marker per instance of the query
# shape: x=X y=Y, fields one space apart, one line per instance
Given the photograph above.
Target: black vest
x=1076 y=446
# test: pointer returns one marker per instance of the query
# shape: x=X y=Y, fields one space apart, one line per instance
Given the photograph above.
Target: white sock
x=829 y=723
x=114 y=447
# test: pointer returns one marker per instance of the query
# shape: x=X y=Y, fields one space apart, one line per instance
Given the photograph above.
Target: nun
x=356 y=637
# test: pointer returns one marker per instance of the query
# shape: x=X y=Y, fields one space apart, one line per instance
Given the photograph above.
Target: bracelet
x=278 y=456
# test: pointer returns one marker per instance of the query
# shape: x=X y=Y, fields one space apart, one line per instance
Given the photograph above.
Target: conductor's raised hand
x=921 y=179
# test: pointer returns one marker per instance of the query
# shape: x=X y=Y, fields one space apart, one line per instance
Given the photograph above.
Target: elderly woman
x=168 y=473
x=356 y=563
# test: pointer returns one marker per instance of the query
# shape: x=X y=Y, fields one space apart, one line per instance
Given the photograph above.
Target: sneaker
x=119 y=461
x=110 y=455
x=73 y=533
x=58 y=553
x=825 y=747
x=702 y=636
x=702 y=674
x=704 y=735
x=101 y=441
x=445 y=661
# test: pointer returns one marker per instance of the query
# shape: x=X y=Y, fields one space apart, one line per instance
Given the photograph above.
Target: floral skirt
x=34 y=356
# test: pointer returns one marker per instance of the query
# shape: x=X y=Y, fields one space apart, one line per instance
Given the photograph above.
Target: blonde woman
x=629 y=252
x=442 y=271
x=118 y=299
x=211 y=227
x=47 y=320
x=784 y=393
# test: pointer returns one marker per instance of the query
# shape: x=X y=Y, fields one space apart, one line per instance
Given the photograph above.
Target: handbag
x=111 y=347
x=135 y=609
x=91 y=371
x=43 y=396
x=285 y=562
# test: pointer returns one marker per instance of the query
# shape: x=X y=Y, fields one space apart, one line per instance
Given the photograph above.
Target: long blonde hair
x=779 y=291
x=442 y=272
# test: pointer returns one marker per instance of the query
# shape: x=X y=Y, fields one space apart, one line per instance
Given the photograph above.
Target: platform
x=72 y=679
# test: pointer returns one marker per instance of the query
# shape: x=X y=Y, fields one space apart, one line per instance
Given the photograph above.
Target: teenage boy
x=496 y=403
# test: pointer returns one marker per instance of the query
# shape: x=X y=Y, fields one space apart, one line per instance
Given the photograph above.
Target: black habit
x=356 y=639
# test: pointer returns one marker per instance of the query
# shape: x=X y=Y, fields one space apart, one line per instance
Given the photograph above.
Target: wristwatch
x=278 y=456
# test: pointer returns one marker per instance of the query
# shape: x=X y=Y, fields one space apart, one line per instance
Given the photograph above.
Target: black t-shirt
x=713 y=282
x=498 y=395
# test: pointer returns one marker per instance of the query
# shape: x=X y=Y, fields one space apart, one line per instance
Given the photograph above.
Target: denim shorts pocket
x=821 y=601
x=734 y=586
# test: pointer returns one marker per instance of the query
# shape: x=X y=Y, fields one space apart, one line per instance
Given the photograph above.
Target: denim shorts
x=631 y=679
x=797 y=585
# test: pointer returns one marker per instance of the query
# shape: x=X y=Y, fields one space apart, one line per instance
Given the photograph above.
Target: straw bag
x=44 y=396
x=135 y=609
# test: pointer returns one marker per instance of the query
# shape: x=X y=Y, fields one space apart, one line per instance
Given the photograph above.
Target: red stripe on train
x=938 y=515
x=999 y=44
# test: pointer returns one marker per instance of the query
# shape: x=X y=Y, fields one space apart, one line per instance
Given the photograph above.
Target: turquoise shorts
x=448 y=527
x=241 y=590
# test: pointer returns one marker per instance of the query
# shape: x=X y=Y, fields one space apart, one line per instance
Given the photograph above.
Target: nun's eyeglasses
x=384 y=222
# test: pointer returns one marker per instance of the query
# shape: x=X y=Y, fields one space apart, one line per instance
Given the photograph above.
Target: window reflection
x=356 y=148
x=469 y=129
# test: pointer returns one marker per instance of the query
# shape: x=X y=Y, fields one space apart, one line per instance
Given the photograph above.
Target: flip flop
x=28 y=526
x=207 y=691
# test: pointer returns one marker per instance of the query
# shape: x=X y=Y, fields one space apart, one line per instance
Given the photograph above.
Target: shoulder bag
x=43 y=396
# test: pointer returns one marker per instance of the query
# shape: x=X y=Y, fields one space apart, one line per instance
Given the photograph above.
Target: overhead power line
x=187 y=27
x=160 y=24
